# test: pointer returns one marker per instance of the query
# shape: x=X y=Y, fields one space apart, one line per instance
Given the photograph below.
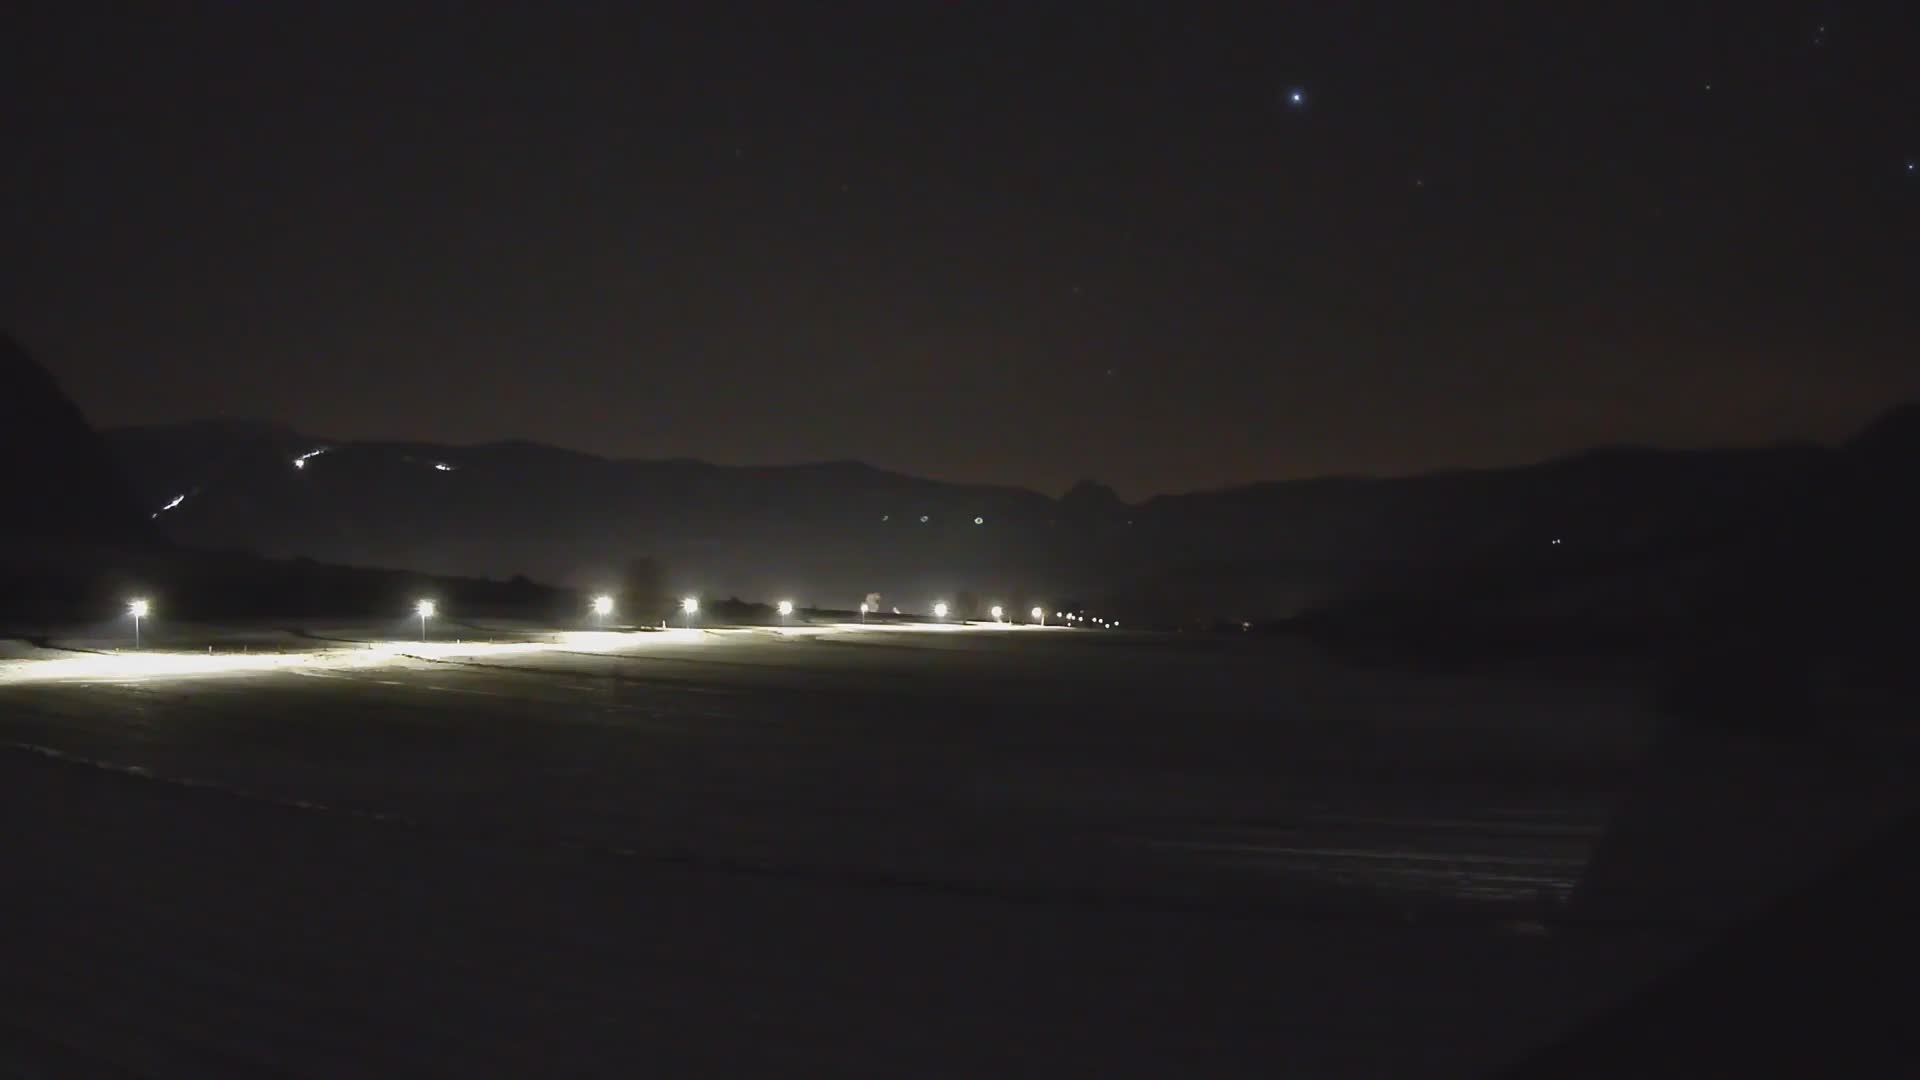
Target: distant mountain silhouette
x=821 y=532
x=1894 y=437
x=76 y=542
x=1620 y=534
x=1091 y=499
x=61 y=483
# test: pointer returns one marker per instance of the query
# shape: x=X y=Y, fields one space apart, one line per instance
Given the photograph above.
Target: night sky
x=1164 y=245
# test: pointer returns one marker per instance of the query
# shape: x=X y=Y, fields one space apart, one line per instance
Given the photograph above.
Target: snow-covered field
x=928 y=850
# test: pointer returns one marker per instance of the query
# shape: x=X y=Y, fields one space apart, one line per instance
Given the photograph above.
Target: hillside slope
x=1571 y=536
x=62 y=484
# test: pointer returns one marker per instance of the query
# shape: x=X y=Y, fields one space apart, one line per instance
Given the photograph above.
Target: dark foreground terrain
x=871 y=851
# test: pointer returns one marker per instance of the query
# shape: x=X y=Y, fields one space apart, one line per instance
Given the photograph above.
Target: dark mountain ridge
x=76 y=543
x=63 y=487
x=1556 y=535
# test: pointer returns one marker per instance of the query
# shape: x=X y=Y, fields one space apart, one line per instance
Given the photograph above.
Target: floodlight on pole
x=863 y=611
x=138 y=609
x=940 y=610
x=786 y=609
x=425 y=610
x=997 y=611
x=691 y=606
x=602 y=607
x=1039 y=615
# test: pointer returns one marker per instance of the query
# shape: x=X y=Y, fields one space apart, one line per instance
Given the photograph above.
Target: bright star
x=1296 y=98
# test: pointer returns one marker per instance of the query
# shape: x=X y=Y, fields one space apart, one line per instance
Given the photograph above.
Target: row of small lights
x=1038 y=614
x=602 y=606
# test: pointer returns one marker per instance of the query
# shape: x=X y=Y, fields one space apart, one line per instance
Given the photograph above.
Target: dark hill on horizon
x=1626 y=530
x=63 y=487
x=76 y=543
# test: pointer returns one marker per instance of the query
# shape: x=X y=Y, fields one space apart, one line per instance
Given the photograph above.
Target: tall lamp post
x=424 y=609
x=138 y=609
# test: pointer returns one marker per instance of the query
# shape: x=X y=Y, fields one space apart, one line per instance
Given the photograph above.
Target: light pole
x=424 y=609
x=1039 y=615
x=940 y=610
x=786 y=609
x=138 y=609
x=863 y=612
x=997 y=612
x=602 y=607
x=691 y=605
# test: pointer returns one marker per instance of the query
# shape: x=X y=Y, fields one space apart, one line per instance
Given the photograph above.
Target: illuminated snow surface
x=111 y=664
x=821 y=848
